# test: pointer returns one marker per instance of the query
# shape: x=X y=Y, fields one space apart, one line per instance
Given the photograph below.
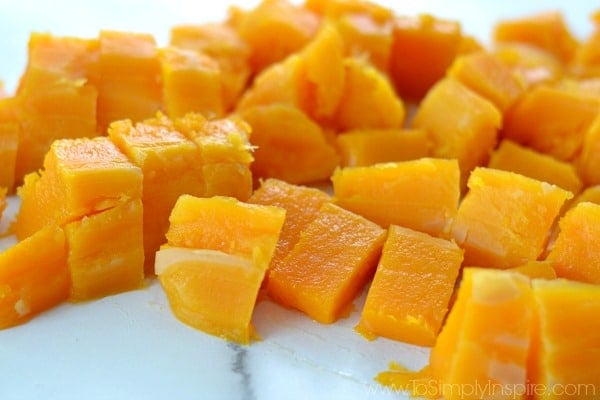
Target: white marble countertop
x=130 y=346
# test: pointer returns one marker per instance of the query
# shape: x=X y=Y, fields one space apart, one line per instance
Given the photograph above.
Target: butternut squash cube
x=588 y=160
x=130 y=85
x=460 y=123
x=335 y=9
x=408 y=298
x=80 y=177
x=530 y=64
x=329 y=265
x=106 y=251
x=504 y=219
x=574 y=253
x=564 y=343
x=536 y=270
x=364 y=147
x=170 y=165
x=510 y=156
x=420 y=194
x=33 y=276
x=191 y=83
x=485 y=340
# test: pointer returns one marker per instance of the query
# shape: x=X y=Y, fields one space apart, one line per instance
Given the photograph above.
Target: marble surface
x=130 y=346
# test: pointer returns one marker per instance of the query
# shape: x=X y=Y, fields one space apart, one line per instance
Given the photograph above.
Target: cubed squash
x=289 y=145
x=33 y=276
x=191 y=82
x=80 y=177
x=9 y=142
x=170 y=164
x=460 y=123
x=536 y=270
x=504 y=219
x=564 y=347
x=130 y=69
x=530 y=64
x=106 y=251
x=574 y=253
x=485 y=340
x=410 y=293
x=364 y=147
x=329 y=265
x=336 y=9
x=588 y=160
x=511 y=156
x=420 y=194
x=423 y=47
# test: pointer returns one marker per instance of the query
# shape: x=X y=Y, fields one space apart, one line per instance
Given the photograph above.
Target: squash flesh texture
x=33 y=276
x=193 y=279
x=3 y=192
x=9 y=141
x=409 y=296
x=80 y=177
x=530 y=64
x=106 y=251
x=574 y=253
x=504 y=219
x=329 y=265
x=588 y=161
x=420 y=194
x=536 y=270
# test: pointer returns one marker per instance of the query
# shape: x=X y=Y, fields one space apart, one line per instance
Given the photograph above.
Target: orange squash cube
x=530 y=64
x=170 y=164
x=130 y=85
x=33 y=276
x=485 y=340
x=336 y=9
x=563 y=356
x=191 y=83
x=228 y=225
x=574 y=253
x=588 y=160
x=191 y=278
x=364 y=147
x=221 y=42
x=9 y=142
x=80 y=177
x=329 y=265
x=106 y=251
x=408 y=298
x=289 y=145
x=504 y=219
x=420 y=194
x=567 y=115
x=510 y=156
x=423 y=47
x=301 y=204
x=369 y=100
x=487 y=76
x=460 y=123
x=536 y=270
x=590 y=194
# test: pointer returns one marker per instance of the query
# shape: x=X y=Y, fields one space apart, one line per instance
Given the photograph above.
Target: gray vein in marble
x=239 y=366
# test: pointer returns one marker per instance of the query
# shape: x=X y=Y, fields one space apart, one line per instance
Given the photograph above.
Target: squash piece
x=3 y=191
x=221 y=42
x=364 y=147
x=574 y=253
x=106 y=251
x=336 y=9
x=228 y=225
x=369 y=99
x=588 y=160
x=191 y=278
x=9 y=142
x=289 y=145
x=334 y=258
x=567 y=115
x=274 y=29
x=170 y=165
x=504 y=219
x=510 y=156
x=130 y=69
x=301 y=204
x=590 y=194
x=408 y=298
x=80 y=177
x=191 y=83
x=225 y=153
x=423 y=47
x=586 y=61
x=485 y=340
x=546 y=30
x=564 y=345
x=460 y=123
x=420 y=194
x=536 y=270
x=531 y=65
x=33 y=276
x=487 y=76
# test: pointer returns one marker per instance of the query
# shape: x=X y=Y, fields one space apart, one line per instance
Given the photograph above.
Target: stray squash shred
x=305 y=153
